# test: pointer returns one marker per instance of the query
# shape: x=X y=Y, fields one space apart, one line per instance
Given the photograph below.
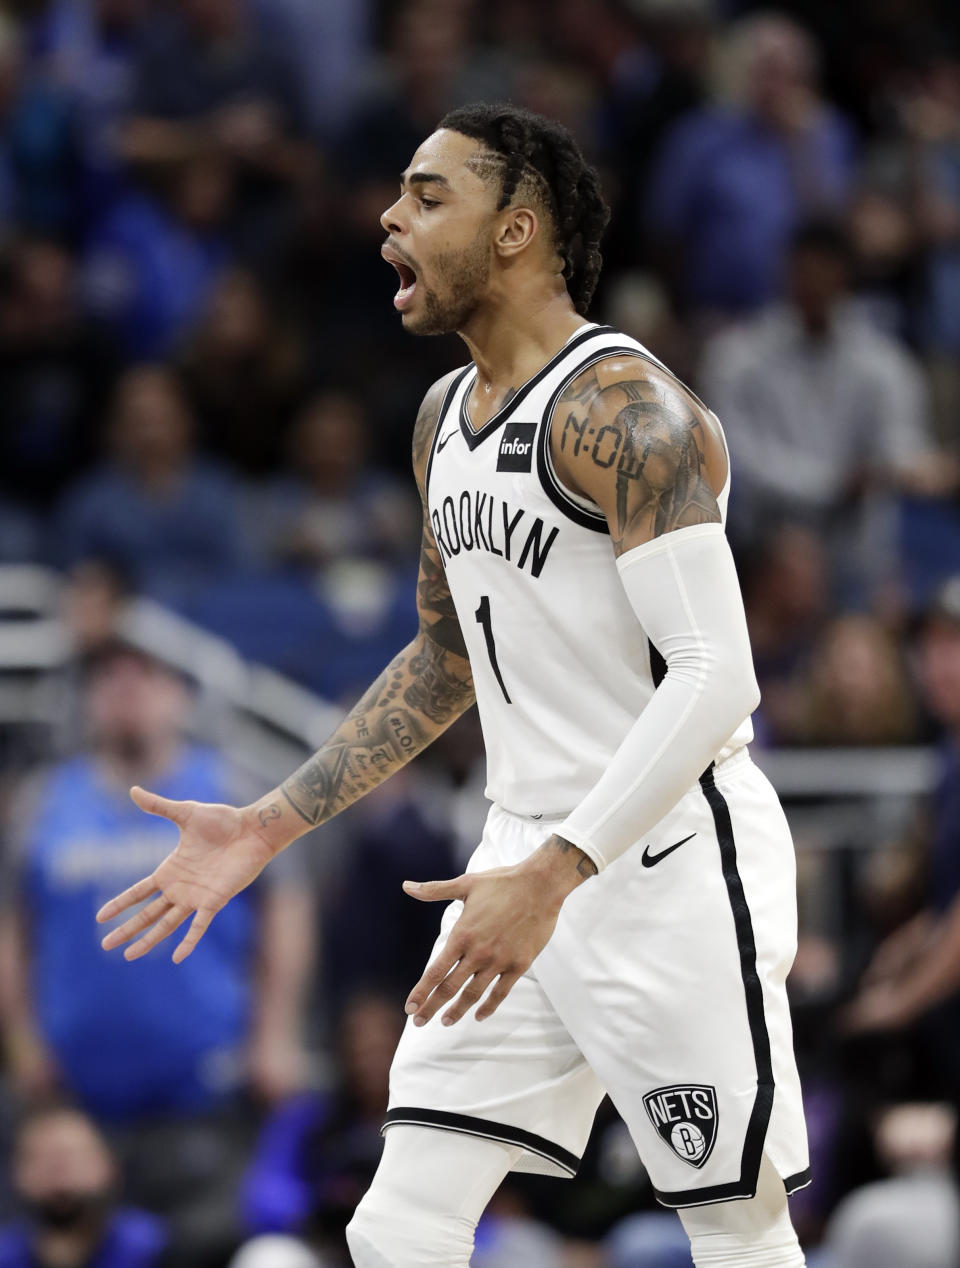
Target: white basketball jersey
x=561 y=666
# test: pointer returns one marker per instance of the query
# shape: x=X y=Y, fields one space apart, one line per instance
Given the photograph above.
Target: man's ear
x=518 y=228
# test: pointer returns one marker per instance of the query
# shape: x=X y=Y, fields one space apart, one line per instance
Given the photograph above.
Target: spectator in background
x=67 y=1182
x=328 y=45
x=825 y=417
x=732 y=182
x=918 y=966
x=318 y=1153
x=150 y=265
x=244 y=373
x=208 y=82
x=55 y=373
x=39 y=158
x=167 y=519
x=88 y=48
x=333 y=504
x=856 y=691
x=931 y=118
x=159 y=1054
x=786 y=602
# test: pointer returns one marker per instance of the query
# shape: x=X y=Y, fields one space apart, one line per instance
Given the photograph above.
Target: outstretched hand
x=219 y=853
x=509 y=915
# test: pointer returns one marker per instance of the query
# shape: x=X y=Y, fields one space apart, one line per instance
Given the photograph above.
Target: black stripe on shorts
x=470 y=1125
x=746 y=1186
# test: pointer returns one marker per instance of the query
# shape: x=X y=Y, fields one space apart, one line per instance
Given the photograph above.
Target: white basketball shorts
x=663 y=984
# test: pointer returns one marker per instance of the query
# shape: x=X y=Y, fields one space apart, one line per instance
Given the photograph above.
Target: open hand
x=218 y=854
x=509 y=914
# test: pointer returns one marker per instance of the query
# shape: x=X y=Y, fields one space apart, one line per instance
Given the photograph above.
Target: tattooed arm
x=631 y=438
x=423 y=689
x=627 y=435
x=223 y=848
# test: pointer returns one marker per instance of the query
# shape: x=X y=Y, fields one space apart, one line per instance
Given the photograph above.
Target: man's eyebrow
x=424 y=178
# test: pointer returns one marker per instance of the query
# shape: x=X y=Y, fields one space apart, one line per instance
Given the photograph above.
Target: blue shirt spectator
x=66 y=1177
x=167 y=519
x=133 y=1239
x=129 y=1040
x=38 y=151
x=88 y=49
x=148 y=271
x=731 y=184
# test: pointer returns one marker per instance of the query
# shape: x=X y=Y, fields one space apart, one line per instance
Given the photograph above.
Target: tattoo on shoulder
x=650 y=435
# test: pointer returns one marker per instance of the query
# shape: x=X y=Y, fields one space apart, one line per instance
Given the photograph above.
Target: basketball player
x=628 y=920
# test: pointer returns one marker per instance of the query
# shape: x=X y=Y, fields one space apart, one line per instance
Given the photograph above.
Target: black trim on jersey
x=476 y=437
x=470 y=1125
x=447 y=397
x=555 y=491
x=746 y=1186
x=798 y=1181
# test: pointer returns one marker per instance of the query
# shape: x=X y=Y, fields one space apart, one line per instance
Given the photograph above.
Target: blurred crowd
x=206 y=398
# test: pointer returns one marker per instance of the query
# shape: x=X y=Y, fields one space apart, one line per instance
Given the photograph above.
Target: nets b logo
x=685 y=1118
x=516 y=447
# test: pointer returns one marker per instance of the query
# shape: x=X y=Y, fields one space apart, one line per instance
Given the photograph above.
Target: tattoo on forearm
x=269 y=812
x=419 y=693
x=585 y=865
x=651 y=435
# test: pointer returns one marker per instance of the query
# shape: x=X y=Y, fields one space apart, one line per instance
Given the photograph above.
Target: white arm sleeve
x=684 y=589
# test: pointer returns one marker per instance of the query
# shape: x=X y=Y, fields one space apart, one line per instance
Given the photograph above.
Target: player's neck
x=510 y=341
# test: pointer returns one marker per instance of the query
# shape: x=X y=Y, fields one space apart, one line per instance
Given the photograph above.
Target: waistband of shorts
x=722 y=771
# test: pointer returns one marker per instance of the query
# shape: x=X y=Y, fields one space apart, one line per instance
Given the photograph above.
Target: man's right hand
x=220 y=852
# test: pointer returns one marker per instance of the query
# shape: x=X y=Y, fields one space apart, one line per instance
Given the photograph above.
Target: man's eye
x=429 y=202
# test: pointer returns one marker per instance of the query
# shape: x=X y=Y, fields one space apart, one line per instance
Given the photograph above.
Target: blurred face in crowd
x=151 y=425
x=939 y=664
x=135 y=706
x=212 y=19
x=330 y=440
x=817 y=282
x=429 y=39
x=442 y=233
x=776 y=64
x=236 y=321
x=62 y=1169
x=119 y=15
x=202 y=191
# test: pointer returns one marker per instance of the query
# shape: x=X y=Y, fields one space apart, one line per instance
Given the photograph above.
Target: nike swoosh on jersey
x=443 y=439
x=651 y=860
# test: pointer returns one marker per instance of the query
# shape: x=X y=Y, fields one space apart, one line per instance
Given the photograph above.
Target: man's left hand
x=509 y=915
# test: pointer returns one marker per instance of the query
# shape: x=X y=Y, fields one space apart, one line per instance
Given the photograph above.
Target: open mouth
x=408 y=279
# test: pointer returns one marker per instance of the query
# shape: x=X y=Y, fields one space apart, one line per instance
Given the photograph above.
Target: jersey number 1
x=483 y=618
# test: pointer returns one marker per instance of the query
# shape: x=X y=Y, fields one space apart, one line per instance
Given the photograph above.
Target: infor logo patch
x=685 y=1118
x=516 y=447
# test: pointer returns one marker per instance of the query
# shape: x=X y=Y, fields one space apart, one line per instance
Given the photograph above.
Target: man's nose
x=391 y=221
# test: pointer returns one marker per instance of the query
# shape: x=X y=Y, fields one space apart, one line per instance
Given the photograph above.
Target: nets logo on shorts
x=516 y=447
x=685 y=1118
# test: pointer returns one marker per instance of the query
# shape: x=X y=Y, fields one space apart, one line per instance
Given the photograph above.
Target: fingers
x=201 y=923
x=136 y=924
x=432 y=977
x=499 y=993
x=471 y=994
x=437 y=891
x=129 y=898
x=174 y=917
x=154 y=804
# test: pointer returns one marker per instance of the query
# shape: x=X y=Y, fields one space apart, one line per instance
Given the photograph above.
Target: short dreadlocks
x=538 y=152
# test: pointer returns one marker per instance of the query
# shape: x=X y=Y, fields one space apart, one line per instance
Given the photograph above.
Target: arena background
x=208 y=537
